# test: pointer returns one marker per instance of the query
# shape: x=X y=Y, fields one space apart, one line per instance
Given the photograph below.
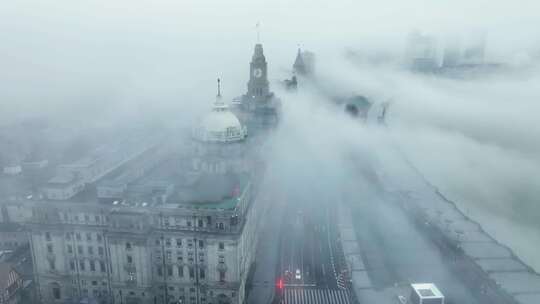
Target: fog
x=95 y=65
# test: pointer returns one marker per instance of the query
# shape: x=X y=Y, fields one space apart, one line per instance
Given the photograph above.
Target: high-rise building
x=304 y=64
x=421 y=52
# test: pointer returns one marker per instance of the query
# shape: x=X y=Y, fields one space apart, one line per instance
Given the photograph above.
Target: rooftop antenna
x=218 y=88
x=258 y=28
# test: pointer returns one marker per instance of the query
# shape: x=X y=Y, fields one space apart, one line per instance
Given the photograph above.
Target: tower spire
x=258 y=28
x=219 y=105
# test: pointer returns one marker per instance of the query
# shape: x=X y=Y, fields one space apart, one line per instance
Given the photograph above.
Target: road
x=308 y=241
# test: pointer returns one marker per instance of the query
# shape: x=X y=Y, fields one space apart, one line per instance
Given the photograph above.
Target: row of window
x=200 y=223
x=97 y=219
x=191 y=272
x=80 y=249
x=78 y=236
x=103 y=292
x=92 y=265
x=101 y=250
x=179 y=256
x=178 y=242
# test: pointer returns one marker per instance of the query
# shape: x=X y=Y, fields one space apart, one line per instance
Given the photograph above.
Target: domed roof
x=220 y=125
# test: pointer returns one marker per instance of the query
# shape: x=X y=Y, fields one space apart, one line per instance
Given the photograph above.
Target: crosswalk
x=315 y=296
x=341 y=281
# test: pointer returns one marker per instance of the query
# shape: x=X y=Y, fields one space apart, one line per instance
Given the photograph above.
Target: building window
x=47 y=236
x=79 y=249
x=69 y=249
x=170 y=271
x=52 y=265
x=102 y=266
x=221 y=226
x=56 y=293
x=201 y=244
x=200 y=223
x=72 y=265
x=100 y=250
x=157 y=242
x=191 y=273
x=49 y=248
x=129 y=259
x=189 y=223
x=222 y=276
x=160 y=271
x=201 y=273
x=88 y=236
x=81 y=265
x=92 y=266
x=78 y=236
x=221 y=246
x=96 y=218
x=181 y=271
x=178 y=242
x=86 y=217
x=99 y=238
x=128 y=246
x=90 y=250
x=168 y=242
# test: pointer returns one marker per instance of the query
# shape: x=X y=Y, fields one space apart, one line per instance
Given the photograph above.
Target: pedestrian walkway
x=315 y=296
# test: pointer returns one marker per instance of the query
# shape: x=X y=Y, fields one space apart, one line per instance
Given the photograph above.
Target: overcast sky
x=116 y=54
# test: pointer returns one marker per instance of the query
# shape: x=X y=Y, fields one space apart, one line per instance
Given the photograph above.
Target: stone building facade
x=127 y=254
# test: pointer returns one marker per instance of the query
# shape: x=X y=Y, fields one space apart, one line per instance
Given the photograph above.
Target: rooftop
x=226 y=192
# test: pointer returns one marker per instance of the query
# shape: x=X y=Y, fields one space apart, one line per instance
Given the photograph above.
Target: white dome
x=220 y=125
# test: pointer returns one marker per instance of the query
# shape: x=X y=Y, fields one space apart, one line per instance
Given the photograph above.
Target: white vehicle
x=426 y=293
x=297 y=274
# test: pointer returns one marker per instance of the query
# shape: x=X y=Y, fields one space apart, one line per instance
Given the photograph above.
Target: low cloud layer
x=138 y=63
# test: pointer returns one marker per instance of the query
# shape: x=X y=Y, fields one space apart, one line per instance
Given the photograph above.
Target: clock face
x=257 y=73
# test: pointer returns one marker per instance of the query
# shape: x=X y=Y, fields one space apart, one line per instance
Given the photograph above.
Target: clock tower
x=258 y=88
x=258 y=108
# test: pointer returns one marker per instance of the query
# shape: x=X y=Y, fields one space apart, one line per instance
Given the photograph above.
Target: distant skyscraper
x=304 y=64
x=421 y=52
x=452 y=53
x=474 y=51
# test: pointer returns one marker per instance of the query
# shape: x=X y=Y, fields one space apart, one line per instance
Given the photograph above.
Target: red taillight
x=280 y=283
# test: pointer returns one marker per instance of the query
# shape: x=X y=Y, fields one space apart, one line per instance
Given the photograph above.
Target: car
x=297 y=274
